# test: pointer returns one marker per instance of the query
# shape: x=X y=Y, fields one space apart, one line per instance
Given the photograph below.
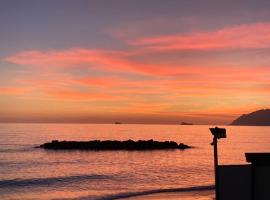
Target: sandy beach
x=200 y=195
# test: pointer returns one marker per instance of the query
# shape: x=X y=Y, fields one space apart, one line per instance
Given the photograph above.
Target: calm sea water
x=31 y=173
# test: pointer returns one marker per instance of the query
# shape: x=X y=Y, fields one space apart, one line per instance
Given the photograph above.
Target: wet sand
x=200 y=195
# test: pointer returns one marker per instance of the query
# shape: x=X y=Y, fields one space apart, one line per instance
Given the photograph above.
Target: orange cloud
x=101 y=81
x=203 y=81
x=243 y=36
x=165 y=79
x=14 y=90
x=68 y=94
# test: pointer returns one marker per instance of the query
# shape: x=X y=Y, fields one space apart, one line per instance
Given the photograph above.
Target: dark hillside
x=257 y=118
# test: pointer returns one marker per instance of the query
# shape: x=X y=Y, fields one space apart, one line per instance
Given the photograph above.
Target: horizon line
x=113 y=123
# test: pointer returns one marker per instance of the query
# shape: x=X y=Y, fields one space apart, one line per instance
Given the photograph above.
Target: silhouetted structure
x=248 y=182
x=257 y=118
x=113 y=145
x=217 y=133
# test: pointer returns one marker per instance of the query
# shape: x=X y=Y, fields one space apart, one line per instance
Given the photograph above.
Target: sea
x=32 y=173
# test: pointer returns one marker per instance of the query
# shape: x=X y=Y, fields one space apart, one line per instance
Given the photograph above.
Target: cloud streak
x=116 y=62
x=237 y=37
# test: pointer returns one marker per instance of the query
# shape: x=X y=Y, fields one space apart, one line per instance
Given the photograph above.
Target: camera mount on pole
x=218 y=133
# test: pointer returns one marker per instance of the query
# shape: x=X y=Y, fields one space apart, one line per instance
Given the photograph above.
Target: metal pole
x=218 y=133
x=216 y=167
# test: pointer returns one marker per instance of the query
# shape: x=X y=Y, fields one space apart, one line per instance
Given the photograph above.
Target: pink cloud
x=101 y=60
x=243 y=36
x=64 y=58
x=104 y=60
x=111 y=62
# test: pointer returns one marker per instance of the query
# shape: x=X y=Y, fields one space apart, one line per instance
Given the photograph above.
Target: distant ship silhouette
x=117 y=122
x=186 y=123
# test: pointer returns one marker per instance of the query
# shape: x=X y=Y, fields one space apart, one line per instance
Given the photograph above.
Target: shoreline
x=205 y=192
x=187 y=195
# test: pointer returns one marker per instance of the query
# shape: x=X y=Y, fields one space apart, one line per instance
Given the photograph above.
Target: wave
x=16 y=148
x=146 y=192
x=51 y=180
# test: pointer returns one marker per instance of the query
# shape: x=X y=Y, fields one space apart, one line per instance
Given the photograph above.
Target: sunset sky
x=143 y=61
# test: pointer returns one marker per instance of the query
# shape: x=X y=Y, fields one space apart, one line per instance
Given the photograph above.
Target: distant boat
x=117 y=122
x=186 y=123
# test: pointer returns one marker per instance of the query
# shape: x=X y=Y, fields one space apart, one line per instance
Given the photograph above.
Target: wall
x=235 y=182
x=262 y=182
